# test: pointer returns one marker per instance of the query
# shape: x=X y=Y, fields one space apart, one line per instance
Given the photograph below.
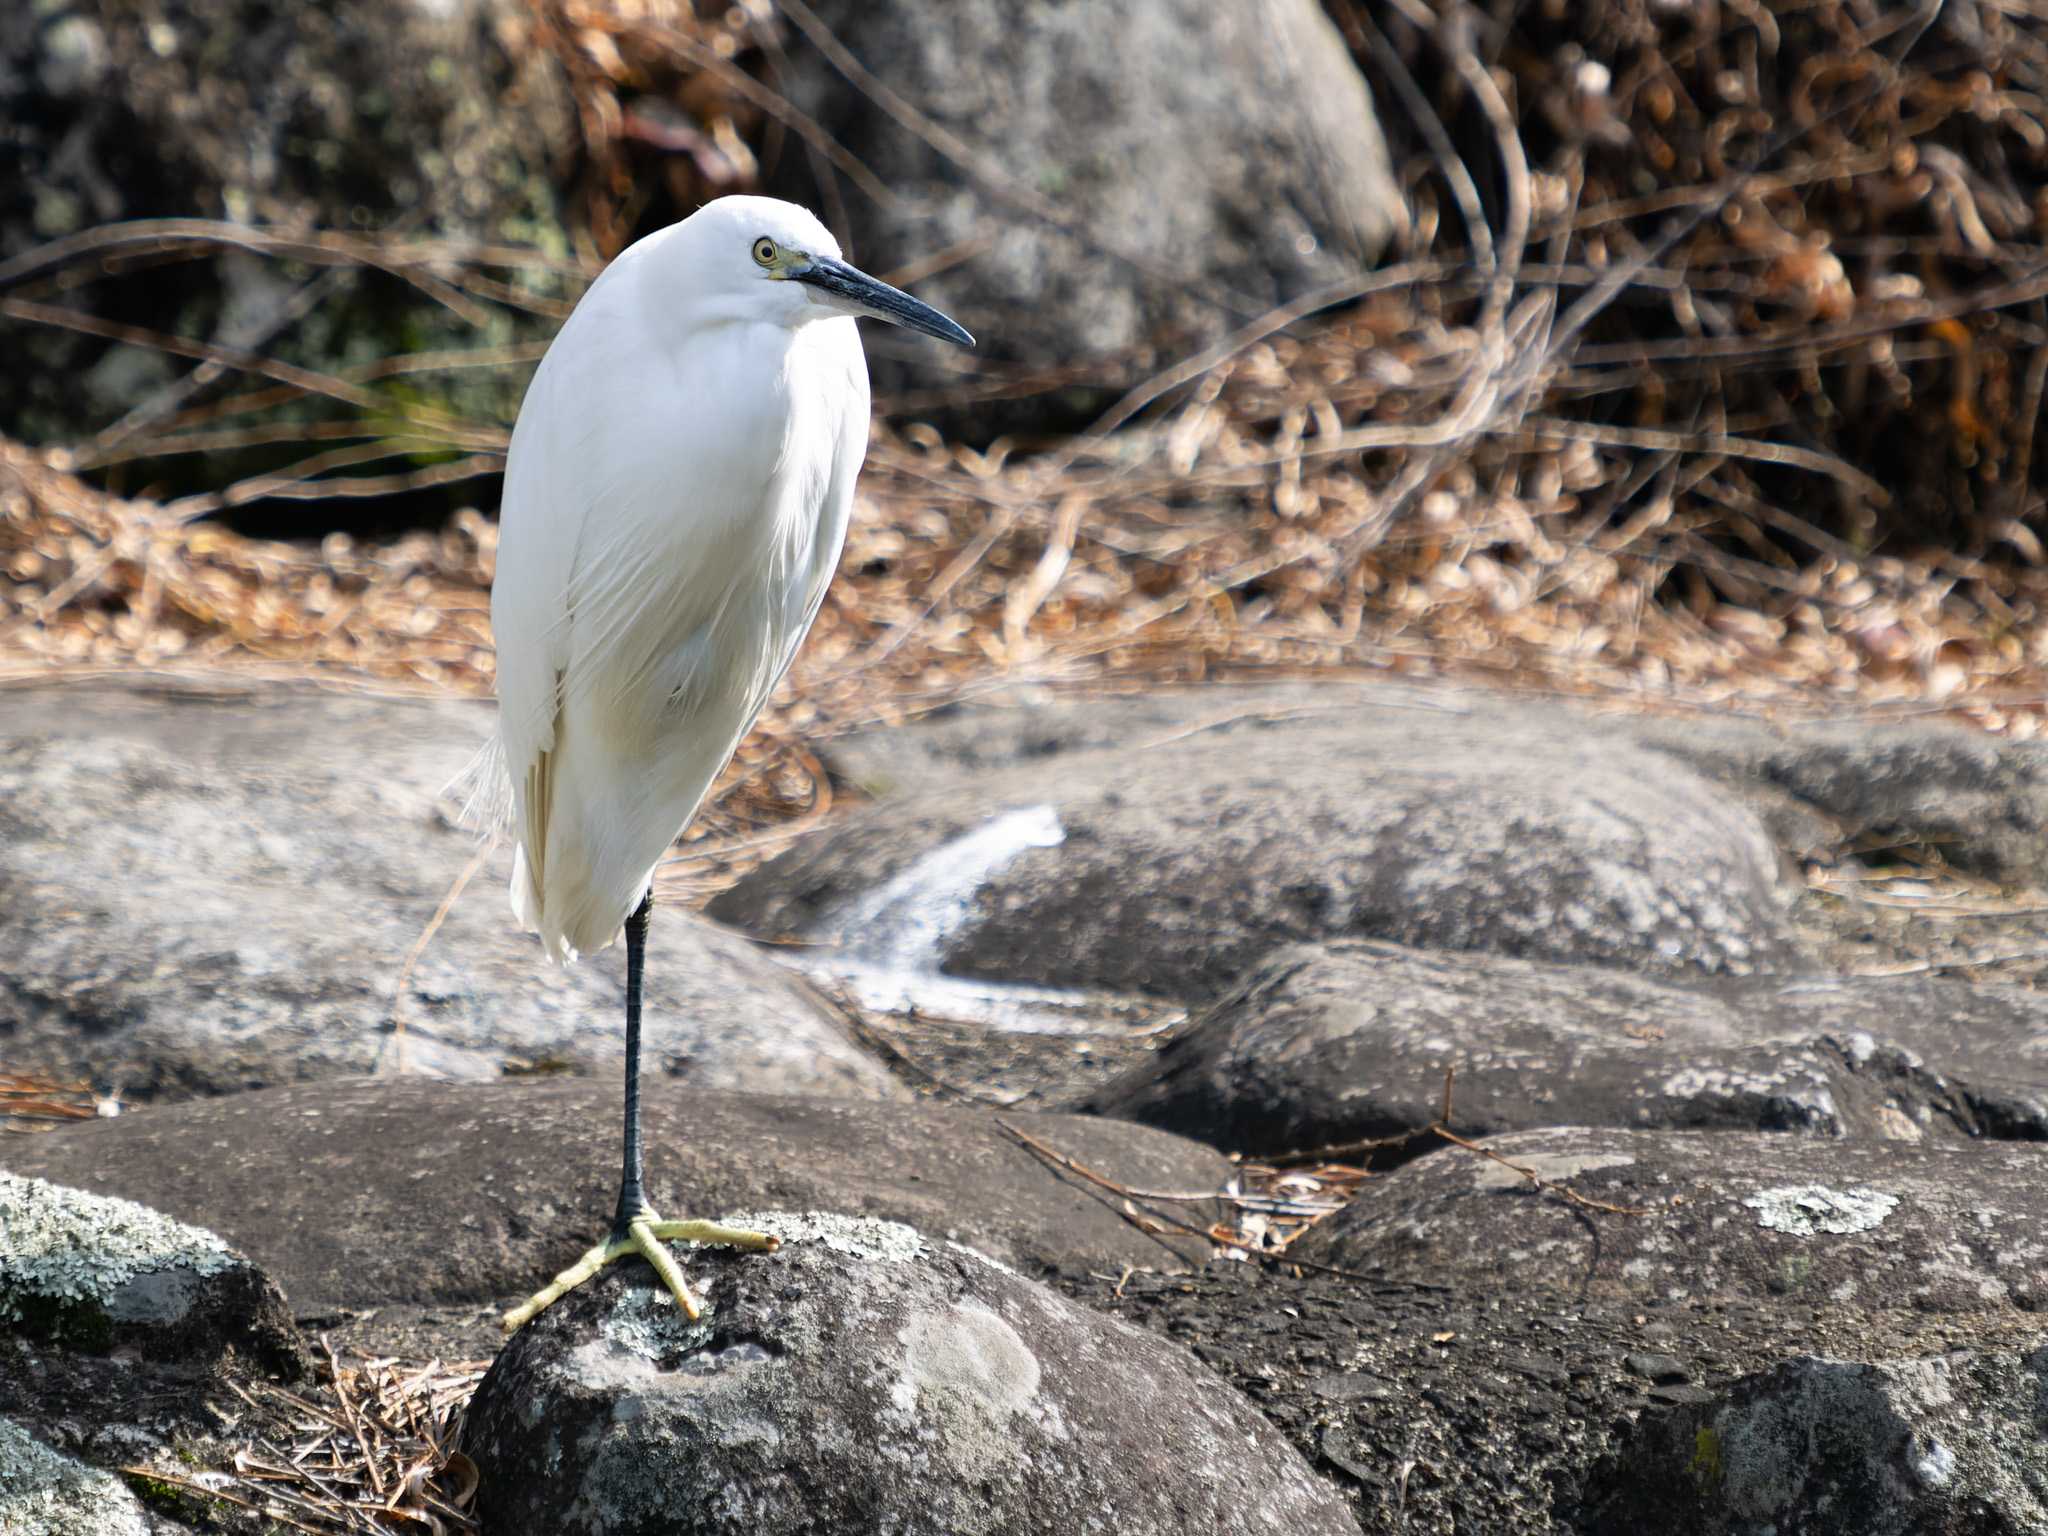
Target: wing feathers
x=651 y=589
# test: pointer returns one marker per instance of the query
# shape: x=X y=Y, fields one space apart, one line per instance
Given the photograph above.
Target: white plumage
x=675 y=501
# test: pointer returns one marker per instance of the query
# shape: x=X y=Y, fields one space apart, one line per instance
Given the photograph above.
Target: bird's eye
x=764 y=251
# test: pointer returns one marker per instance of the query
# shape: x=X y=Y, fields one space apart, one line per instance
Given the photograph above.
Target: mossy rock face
x=403 y=116
x=45 y=1493
x=87 y=1272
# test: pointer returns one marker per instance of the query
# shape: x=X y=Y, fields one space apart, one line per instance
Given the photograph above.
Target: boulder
x=1842 y=1448
x=45 y=1493
x=120 y=1333
x=362 y=1193
x=81 y=1271
x=1723 y=1217
x=207 y=891
x=1487 y=1404
x=1174 y=866
x=1981 y=799
x=1351 y=1041
x=381 y=115
x=863 y=1377
x=1118 y=182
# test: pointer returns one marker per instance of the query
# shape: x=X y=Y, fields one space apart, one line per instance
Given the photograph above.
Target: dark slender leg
x=632 y=1198
x=647 y=1241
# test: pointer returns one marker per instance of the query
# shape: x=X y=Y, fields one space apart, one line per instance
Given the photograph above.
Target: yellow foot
x=644 y=1237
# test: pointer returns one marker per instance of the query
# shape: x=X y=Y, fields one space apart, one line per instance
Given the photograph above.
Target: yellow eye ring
x=764 y=251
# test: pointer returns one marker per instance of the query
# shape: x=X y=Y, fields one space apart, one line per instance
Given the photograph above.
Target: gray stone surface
x=411 y=114
x=1954 y=1443
x=1981 y=800
x=1023 y=724
x=1351 y=1041
x=1816 y=784
x=354 y=1194
x=1485 y=1405
x=1076 y=119
x=82 y=1271
x=862 y=1378
x=204 y=891
x=1721 y=1217
x=1184 y=860
x=45 y=1493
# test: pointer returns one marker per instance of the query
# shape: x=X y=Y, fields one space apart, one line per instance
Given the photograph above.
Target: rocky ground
x=1686 y=1076
x=1735 y=1217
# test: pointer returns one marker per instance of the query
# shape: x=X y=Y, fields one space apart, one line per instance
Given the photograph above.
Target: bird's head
x=760 y=258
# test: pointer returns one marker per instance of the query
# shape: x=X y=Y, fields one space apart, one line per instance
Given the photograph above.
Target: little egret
x=675 y=500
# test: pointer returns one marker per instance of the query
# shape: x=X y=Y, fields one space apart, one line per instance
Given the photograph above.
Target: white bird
x=676 y=496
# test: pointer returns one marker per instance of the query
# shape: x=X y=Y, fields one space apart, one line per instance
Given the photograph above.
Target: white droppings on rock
x=893 y=938
x=860 y=1237
x=43 y=1493
x=1805 y=1210
x=67 y=1246
x=903 y=923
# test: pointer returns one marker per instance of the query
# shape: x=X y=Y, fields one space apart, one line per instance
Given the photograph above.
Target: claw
x=644 y=1236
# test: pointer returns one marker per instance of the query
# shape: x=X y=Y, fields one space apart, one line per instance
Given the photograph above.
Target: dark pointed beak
x=857 y=293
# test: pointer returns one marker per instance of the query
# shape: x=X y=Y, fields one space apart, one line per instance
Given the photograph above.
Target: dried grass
x=368 y=1452
x=1622 y=421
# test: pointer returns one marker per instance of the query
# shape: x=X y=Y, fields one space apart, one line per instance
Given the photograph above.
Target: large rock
x=83 y=1271
x=1487 y=1404
x=46 y=1493
x=1832 y=794
x=435 y=118
x=1351 y=1041
x=205 y=892
x=121 y=1333
x=1980 y=799
x=862 y=1378
x=1135 y=179
x=1174 y=867
x=361 y=1193
x=1723 y=1216
x=1842 y=1448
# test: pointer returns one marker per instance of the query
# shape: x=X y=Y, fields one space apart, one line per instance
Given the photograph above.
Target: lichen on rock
x=63 y=1251
x=1806 y=1209
x=861 y=1237
x=93 y=1272
x=43 y=1493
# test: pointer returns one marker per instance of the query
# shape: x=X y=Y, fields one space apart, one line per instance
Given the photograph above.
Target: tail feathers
x=483 y=791
x=526 y=906
x=573 y=916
